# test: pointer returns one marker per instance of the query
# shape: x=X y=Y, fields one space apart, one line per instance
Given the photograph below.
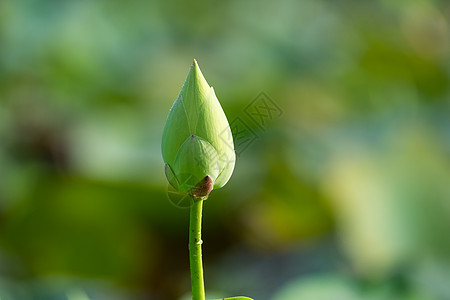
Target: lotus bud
x=197 y=144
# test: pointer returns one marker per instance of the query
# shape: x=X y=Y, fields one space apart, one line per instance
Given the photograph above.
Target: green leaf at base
x=236 y=298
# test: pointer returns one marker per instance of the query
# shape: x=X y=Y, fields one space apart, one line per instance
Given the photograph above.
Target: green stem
x=195 y=249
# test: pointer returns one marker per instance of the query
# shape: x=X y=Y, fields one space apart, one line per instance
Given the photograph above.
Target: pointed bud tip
x=195 y=72
x=196 y=66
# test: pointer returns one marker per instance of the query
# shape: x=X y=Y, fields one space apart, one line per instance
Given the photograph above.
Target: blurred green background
x=344 y=194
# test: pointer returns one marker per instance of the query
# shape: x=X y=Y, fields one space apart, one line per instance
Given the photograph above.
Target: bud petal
x=192 y=163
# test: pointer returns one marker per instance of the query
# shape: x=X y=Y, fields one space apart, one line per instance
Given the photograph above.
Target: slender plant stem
x=195 y=249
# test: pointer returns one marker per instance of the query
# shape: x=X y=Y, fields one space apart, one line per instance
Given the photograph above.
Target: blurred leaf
x=319 y=288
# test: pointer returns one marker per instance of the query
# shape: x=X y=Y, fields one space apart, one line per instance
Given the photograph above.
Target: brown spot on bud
x=203 y=188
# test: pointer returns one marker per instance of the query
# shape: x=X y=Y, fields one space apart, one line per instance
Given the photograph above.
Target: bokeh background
x=342 y=195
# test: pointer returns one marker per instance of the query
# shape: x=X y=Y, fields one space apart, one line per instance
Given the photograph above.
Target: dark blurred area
x=340 y=111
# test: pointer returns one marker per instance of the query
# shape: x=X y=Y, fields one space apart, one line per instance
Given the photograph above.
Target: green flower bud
x=197 y=145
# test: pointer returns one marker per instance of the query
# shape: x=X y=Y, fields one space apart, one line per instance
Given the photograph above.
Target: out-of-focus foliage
x=341 y=191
